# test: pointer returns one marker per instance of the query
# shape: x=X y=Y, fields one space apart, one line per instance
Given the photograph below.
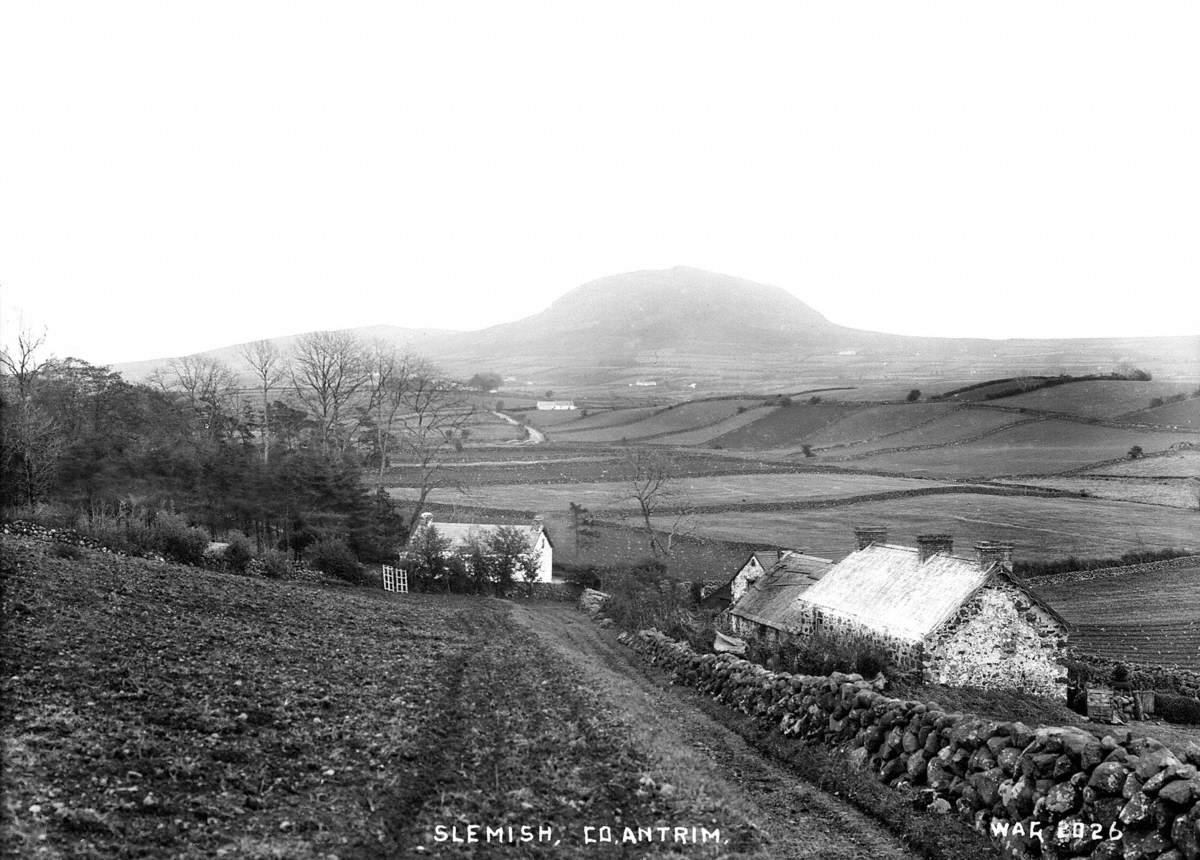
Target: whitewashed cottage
x=461 y=536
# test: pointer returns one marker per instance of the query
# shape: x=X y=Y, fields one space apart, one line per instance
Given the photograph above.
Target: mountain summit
x=641 y=318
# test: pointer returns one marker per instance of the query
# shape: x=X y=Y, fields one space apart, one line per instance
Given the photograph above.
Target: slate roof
x=887 y=588
x=772 y=598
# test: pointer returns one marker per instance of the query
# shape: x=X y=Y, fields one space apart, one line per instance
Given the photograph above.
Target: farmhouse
x=955 y=620
x=553 y=405
x=767 y=601
x=461 y=535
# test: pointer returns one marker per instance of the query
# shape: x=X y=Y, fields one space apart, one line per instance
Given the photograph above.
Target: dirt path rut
x=798 y=820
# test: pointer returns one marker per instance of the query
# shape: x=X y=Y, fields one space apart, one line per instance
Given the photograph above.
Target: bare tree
x=206 y=383
x=652 y=485
x=390 y=373
x=22 y=364
x=270 y=368
x=30 y=440
x=328 y=373
x=433 y=418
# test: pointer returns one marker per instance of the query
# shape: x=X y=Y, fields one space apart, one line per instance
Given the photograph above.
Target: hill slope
x=682 y=326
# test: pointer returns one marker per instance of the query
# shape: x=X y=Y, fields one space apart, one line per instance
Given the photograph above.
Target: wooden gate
x=395 y=579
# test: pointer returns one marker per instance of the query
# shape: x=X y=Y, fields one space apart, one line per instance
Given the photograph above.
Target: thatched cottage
x=952 y=619
x=958 y=620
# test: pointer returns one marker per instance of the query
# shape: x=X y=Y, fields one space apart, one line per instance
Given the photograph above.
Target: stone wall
x=999 y=639
x=1044 y=792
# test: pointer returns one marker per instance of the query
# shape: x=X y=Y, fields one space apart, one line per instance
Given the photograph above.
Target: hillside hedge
x=1044 y=792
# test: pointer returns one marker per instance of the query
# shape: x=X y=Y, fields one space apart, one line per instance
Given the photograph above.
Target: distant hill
x=690 y=330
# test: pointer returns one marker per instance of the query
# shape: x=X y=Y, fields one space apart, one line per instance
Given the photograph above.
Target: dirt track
x=798 y=820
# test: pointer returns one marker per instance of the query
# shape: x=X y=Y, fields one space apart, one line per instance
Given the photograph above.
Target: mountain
x=698 y=331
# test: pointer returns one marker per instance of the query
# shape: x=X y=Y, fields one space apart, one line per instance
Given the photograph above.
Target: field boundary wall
x=1046 y=791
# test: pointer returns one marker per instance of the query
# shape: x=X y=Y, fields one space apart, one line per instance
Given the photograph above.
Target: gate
x=395 y=579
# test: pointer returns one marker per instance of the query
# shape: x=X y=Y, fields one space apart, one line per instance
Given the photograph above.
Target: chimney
x=539 y=523
x=426 y=520
x=867 y=535
x=930 y=544
x=994 y=552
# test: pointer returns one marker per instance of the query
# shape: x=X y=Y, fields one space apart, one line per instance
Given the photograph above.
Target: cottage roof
x=460 y=534
x=888 y=588
x=771 y=599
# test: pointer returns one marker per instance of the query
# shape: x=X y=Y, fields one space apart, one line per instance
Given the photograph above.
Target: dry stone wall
x=1040 y=792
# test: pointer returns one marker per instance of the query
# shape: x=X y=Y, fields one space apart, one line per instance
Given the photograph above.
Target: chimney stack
x=539 y=522
x=931 y=544
x=867 y=535
x=994 y=552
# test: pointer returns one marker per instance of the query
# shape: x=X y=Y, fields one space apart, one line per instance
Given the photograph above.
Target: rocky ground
x=154 y=710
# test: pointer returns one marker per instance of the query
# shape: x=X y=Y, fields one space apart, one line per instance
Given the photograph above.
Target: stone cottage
x=957 y=620
x=768 y=596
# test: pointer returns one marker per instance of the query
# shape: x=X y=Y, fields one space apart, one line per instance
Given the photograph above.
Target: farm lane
x=799 y=819
x=536 y=437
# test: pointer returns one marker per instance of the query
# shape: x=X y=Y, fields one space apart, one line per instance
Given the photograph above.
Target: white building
x=462 y=535
x=548 y=405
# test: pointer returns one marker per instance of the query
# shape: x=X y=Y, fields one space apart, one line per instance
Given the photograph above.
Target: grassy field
x=706 y=434
x=950 y=425
x=1038 y=447
x=1177 y=464
x=722 y=490
x=686 y=417
x=162 y=711
x=1145 y=617
x=1097 y=398
x=786 y=427
x=1185 y=413
x=872 y=422
x=1041 y=528
x=1174 y=492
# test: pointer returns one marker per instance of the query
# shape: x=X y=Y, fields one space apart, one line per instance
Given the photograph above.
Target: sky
x=181 y=176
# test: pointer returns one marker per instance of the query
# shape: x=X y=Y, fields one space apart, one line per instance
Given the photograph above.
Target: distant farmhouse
x=549 y=405
x=461 y=536
x=954 y=620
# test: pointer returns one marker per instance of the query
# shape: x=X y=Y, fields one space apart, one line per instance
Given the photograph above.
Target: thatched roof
x=888 y=588
x=772 y=598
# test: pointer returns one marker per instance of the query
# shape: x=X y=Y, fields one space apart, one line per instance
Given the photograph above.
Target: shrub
x=914 y=395
x=1155 y=401
x=276 y=564
x=814 y=400
x=334 y=557
x=66 y=550
x=1136 y=452
x=238 y=553
x=1177 y=709
x=179 y=541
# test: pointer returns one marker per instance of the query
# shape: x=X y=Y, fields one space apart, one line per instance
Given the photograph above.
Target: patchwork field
x=700 y=491
x=873 y=422
x=1146 y=617
x=1184 y=463
x=1185 y=413
x=786 y=427
x=947 y=428
x=1037 y=447
x=686 y=417
x=1173 y=492
x=1096 y=398
x=1041 y=528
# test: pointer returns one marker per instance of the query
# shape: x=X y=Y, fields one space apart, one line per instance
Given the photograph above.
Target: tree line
x=297 y=457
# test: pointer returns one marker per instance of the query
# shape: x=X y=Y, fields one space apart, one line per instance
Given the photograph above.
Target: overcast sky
x=179 y=176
